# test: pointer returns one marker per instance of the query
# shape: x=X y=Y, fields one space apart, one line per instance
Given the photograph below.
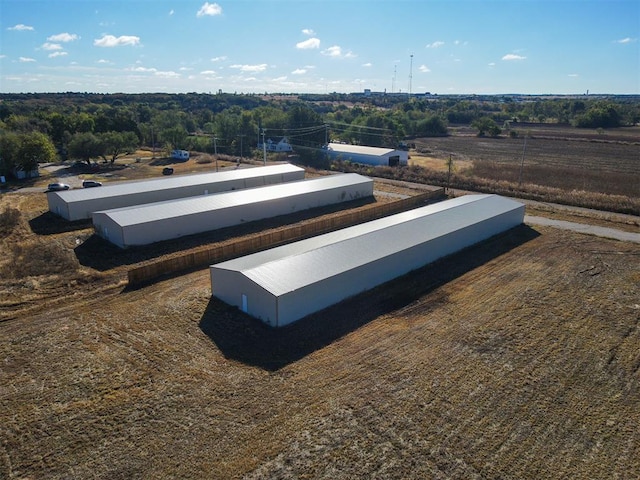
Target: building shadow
x=97 y=253
x=245 y=339
x=50 y=224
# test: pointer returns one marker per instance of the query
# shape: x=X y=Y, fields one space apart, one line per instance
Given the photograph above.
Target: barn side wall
x=82 y=209
x=304 y=301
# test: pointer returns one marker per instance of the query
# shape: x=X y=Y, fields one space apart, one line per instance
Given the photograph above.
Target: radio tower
x=410 y=74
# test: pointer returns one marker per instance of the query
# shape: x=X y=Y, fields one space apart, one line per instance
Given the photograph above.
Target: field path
x=584 y=228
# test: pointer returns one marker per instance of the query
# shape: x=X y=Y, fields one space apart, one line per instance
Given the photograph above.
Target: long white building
x=367 y=155
x=79 y=204
x=154 y=222
x=284 y=284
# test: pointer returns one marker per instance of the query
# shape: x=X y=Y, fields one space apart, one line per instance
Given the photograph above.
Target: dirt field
x=517 y=358
x=568 y=158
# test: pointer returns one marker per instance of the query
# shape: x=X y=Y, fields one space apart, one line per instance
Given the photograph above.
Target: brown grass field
x=518 y=358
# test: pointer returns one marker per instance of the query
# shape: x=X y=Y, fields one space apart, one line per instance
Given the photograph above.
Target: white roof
x=193 y=205
x=290 y=267
x=178 y=181
x=360 y=149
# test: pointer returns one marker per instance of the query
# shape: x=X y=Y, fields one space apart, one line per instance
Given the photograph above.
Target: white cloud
x=185 y=69
x=208 y=72
x=144 y=69
x=299 y=71
x=308 y=44
x=3 y=56
x=251 y=68
x=626 y=40
x=424 y=69
x=171 y=12
x=336 y=52
x=51 y=46
x=209 y=9
x=167 y=74
x=513 y=56
x=26 y=59
x=102 y=60
x=308 y=31
x=574 y=75
x=436 y=44
x=492 y=64
x=20 y=27
x=111 y=41
x=57 y=54
x=368 y=64
x=219 y=59
x=63 y=37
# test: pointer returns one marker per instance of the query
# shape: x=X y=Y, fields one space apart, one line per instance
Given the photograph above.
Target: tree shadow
x=167 y=161
x=247 y=340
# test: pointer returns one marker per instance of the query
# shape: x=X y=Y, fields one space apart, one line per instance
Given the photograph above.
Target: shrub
x=43 y=257
x=9 y=219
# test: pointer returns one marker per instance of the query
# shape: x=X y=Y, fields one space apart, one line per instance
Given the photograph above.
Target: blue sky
x=313 y=46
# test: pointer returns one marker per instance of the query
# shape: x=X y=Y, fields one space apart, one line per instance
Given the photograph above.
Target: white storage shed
x=79 y=204
x=286 y=283
x=367 y=155
x=154 y=222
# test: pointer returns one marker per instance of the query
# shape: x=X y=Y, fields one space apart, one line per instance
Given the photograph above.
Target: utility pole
x=241 y=135
x=215 y=150
x=449 y=169
x=524 y=147
x=264 y=146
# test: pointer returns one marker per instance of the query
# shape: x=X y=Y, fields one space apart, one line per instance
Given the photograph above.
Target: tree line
x=36 y=128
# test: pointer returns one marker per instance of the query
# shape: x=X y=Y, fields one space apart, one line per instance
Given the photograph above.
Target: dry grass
x=516 y=359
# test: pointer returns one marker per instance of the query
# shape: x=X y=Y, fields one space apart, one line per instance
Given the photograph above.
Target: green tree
x=35 y=148
x=9 y=147
x=432 y=126
x=600 y=115
x=486 y=126
x=85 y=146
x=117 y=143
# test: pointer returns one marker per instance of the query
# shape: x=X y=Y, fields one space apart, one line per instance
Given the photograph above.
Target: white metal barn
x=367 y=155
x=286 y=283
x=154 y=222
x=79 y=204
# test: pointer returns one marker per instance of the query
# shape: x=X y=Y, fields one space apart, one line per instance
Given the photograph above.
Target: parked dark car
x=56 y=187
x=90 y=183
x=167 y=171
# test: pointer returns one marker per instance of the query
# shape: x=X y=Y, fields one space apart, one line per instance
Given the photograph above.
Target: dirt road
x=584 y=228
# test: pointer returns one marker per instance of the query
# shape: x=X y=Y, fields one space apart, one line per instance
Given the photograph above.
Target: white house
x=277 y=145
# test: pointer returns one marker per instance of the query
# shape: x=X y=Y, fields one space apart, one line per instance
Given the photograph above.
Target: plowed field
x=518 y=358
